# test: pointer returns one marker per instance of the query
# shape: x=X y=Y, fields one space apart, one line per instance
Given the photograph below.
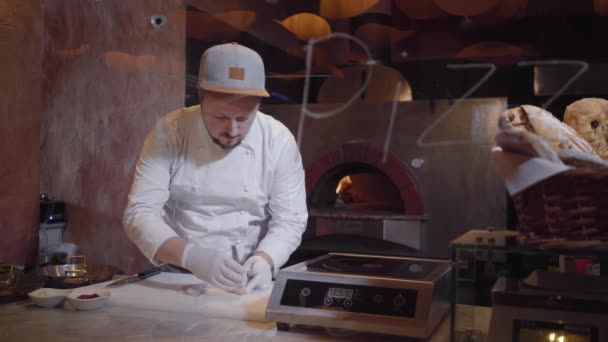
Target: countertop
x=24 y=321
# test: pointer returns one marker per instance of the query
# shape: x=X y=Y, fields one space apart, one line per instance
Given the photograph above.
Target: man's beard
x=225 y=147
x=219 y=143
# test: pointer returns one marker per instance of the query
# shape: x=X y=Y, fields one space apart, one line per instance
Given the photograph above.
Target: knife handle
x=148 y=273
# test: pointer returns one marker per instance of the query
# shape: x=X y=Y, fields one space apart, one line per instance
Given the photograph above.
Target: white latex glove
x=215 y=267
x=259 y=272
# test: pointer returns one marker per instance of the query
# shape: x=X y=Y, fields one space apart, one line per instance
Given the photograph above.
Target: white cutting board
x=176 y=292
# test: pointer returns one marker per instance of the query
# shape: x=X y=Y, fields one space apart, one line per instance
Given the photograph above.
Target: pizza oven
x=353 y=192
x=376 y=185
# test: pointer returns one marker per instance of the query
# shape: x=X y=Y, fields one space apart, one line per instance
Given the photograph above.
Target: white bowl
x=48 y=298
x=88 y=303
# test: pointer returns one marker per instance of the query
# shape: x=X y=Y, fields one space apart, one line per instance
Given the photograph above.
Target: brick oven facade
x=446 y=178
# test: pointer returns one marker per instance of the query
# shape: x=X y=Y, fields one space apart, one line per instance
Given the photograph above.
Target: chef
x=219 y=187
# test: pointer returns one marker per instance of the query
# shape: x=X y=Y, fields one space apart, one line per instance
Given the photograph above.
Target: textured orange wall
x=109 y=75
x=21 y=26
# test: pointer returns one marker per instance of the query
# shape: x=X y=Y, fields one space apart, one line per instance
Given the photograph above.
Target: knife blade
x=136 y=277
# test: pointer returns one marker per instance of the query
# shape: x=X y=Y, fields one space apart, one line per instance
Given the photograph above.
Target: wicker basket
x=572 y=205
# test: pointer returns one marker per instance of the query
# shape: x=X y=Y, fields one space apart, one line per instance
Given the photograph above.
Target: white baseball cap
x=234 y=69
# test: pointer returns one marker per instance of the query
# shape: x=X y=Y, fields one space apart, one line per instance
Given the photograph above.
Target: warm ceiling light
x=494 y=52
x=381 y=87
x=419 y=9
x=467 y=8
x=378 y=36
x=343 y=9
x=306 y=26
x=324 y=59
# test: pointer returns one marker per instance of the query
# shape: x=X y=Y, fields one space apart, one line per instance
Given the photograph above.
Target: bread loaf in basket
x=570 y=207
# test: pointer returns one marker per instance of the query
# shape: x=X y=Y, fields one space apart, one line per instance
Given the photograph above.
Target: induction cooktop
x=372 y=293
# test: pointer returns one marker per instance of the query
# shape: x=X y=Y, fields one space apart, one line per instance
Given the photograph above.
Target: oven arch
x=359 y=153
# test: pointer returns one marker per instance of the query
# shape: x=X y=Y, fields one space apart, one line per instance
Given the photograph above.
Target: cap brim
x=246 y=92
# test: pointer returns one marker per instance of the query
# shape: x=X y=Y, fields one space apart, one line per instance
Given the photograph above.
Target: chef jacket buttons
x=247 y=153
x=245 y=189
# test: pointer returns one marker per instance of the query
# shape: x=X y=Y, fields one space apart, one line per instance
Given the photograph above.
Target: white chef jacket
x=251 y=196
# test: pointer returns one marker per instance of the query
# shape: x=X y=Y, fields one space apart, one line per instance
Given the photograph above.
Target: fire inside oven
x=357 y=208
x=355 y=189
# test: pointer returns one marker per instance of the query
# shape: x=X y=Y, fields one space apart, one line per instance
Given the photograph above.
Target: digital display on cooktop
x=386 y=267
x=340 y=293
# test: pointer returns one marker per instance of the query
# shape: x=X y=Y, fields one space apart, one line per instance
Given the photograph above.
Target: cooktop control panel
x=354 y=298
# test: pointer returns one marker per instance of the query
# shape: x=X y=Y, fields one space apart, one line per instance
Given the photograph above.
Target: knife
x=235 y=254
x=136 y=277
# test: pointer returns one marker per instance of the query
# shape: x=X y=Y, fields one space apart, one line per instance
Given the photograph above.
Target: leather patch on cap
x=236 y=73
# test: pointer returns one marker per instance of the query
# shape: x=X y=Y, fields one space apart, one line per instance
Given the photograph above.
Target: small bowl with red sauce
x=88 y=300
